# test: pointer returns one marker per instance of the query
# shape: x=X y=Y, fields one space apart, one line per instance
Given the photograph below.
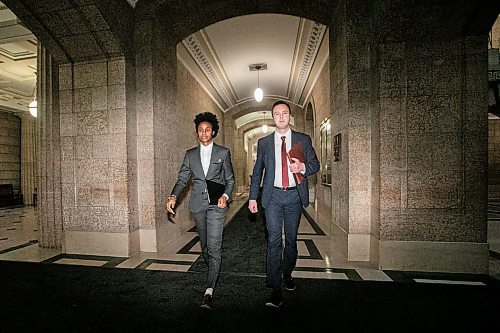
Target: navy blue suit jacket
x=266 y=161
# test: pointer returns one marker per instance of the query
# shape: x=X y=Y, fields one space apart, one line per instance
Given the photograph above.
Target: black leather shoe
x=276 y=299
x=290 y=284
x=207 y=302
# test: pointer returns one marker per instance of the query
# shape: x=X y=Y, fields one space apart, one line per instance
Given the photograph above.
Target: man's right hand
x=170 y=205
x=252 y=206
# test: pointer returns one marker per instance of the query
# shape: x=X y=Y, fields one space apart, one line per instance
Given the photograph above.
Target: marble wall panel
x=68 y=151
x=66 y=124
x=390 y=190
x=432 y=225
x=68 y=171
x=119 y=195
x=99 y=98
x=116 y=71
x=116 y=97
x=93 y=195
x=419 y=74
x=99 y=219
x=434 y=114
x=475 y=145
x=118 y=171
x=91 y=123
x=92 y=171
x=90 y=74
x=65 y=78
x=434 y=189
x=476 y=115
x=390 y=116
x=100 y=146
x=84 y=147
x=68 y=195
x=117 y=122
x=117 y=146
x=66 y=101
x=436 y=151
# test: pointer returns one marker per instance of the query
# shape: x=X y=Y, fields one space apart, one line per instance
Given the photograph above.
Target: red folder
x=298 y=153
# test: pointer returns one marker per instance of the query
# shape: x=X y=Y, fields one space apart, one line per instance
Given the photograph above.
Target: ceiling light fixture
x=264 y=129
x=258 y=93
x=33 y=106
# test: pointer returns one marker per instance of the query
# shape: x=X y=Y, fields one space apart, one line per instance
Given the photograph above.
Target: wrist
x=172 y=197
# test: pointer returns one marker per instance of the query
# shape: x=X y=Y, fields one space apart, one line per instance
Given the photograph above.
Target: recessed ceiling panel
x=251 y=39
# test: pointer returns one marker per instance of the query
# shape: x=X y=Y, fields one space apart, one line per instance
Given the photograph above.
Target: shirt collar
x=207 y=148
x=277 y=136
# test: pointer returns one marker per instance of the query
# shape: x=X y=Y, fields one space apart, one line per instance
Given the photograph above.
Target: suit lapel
x=213 y=159
x=197 y=162
x=270 y=153
x=294 y=138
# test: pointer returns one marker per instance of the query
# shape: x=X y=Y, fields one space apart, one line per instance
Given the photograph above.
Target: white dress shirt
x=205 y=155
x=278 y=181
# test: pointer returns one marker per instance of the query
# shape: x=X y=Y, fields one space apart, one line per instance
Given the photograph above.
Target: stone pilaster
x=28 y=157
x=50 y=219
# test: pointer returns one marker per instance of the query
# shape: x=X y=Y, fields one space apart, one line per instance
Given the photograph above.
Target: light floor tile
x=31 y=253
x=468 y=283
x=332 y=276
x=168 y=267
x=302 y=249
x=308 y=275
x=81 y=262
x=312 y=263
x=320 y=275
x=372 y=275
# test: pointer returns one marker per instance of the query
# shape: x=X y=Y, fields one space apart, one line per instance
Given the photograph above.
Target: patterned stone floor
x=322 y=252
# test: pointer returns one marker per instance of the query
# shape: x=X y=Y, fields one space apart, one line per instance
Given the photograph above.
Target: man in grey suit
x=209 y=167
x=284 y=195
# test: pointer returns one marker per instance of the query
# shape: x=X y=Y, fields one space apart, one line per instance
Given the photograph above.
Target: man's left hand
x=222 y=202
x=296 y=166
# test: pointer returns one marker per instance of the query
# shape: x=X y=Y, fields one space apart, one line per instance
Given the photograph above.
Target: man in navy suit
x=283 y=198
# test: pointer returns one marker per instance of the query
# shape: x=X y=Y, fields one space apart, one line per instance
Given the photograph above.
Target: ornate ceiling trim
x=210 y=66
x=314 y=32
x=14 y=100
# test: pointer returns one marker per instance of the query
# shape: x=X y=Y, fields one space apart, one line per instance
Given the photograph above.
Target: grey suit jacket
x=266 y=161
x=219 y=171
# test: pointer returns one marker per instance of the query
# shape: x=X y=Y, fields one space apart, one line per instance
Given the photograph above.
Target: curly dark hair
x=209 y=117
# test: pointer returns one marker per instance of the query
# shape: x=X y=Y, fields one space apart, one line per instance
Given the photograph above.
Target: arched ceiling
x=218 y=56
x=294 y=50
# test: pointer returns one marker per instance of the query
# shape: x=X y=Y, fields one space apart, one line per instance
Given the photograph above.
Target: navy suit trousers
x=282 y=213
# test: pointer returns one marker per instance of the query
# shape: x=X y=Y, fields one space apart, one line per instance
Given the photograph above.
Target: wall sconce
x=258 y=93
x=264 y=129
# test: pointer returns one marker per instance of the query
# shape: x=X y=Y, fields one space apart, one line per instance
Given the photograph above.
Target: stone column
x=50 y=219
x=355 y=117
x=95 y=173
x=28 y=157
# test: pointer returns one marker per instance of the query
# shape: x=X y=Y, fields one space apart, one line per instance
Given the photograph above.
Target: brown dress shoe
x=207 y=302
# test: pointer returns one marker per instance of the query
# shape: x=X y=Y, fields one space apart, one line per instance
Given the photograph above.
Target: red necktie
x=284 y=163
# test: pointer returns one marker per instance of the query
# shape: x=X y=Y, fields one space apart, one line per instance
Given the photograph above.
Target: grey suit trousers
x=210 y=225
